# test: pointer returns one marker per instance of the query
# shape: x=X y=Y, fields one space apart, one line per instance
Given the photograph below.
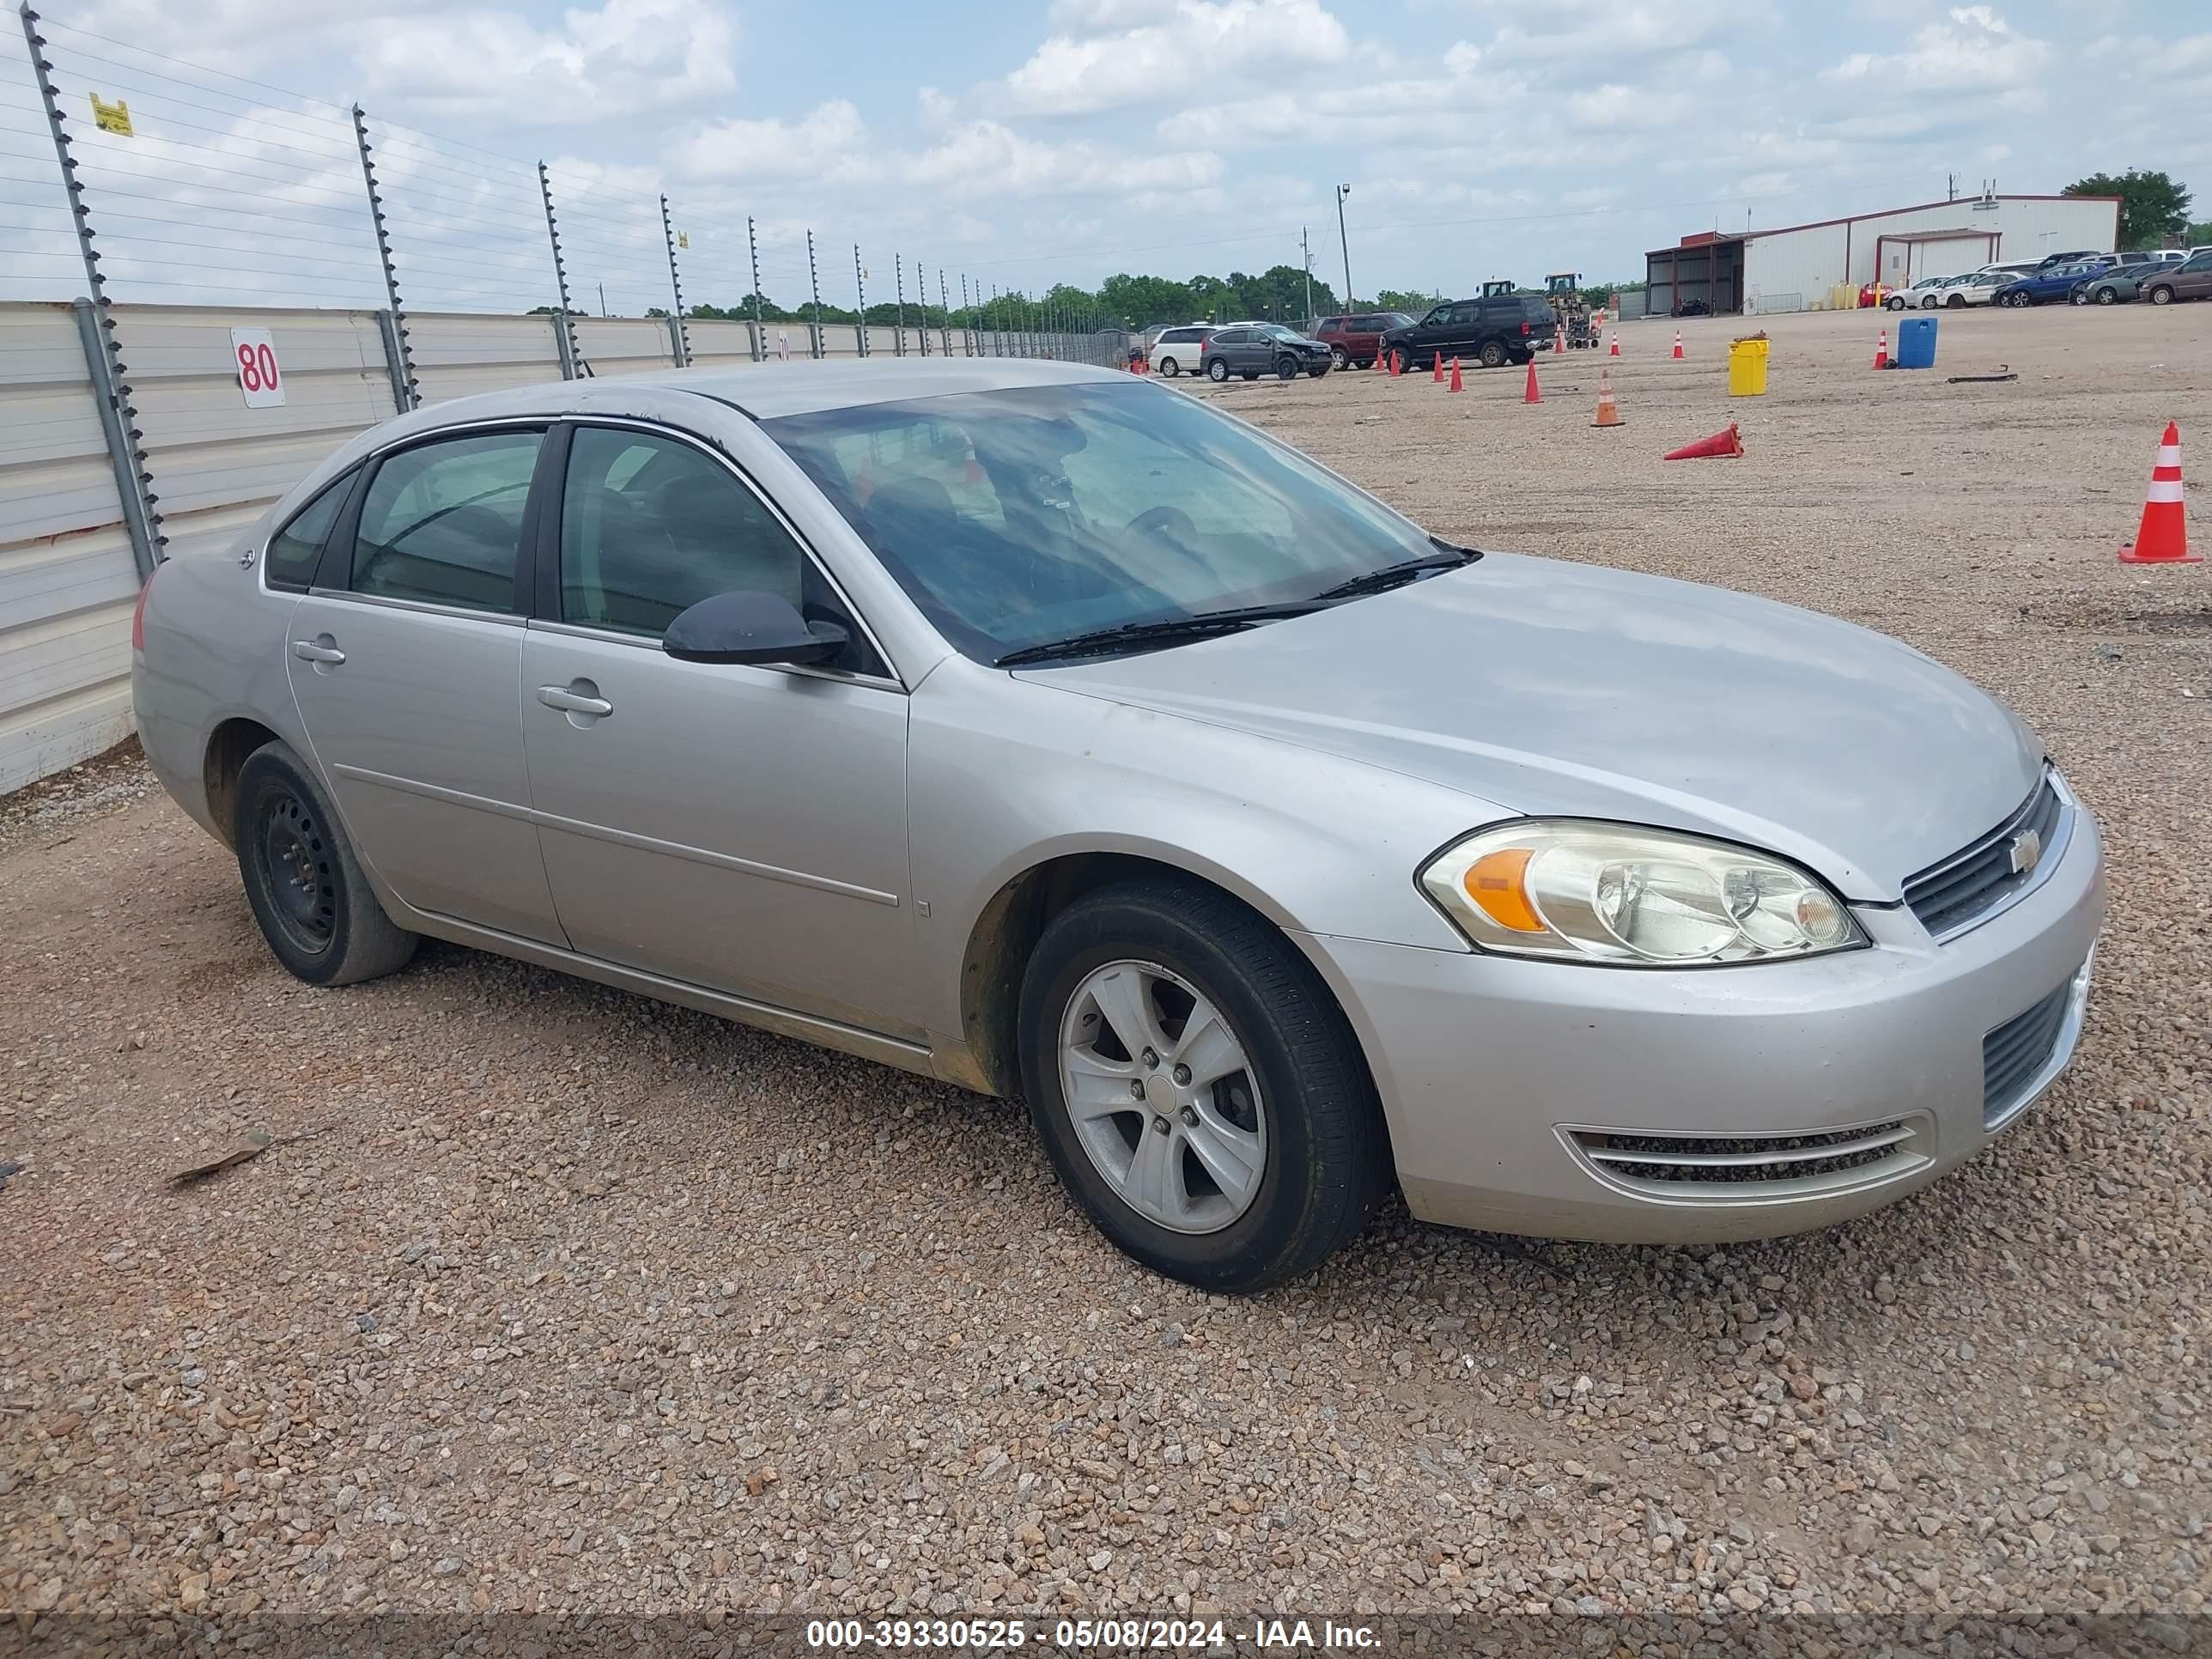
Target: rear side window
x=443 y=521
x=295 y=551
x=1329 y=325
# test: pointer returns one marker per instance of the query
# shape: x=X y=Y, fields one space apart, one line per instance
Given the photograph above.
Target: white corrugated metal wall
x=68 y=579
x=1811 y=260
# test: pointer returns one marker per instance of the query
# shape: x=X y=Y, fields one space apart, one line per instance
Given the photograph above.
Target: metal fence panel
x=615 y=346
x=67 y=580
x=459 y=353
x=217 y=463
x=718 y=344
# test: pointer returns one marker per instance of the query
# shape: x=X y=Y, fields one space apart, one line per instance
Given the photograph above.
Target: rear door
x=406 y=663
x=2193 y=281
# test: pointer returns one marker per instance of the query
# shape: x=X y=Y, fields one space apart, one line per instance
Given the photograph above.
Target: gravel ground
x=545 y=1296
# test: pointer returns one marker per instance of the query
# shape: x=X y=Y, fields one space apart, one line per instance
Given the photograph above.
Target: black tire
x=1328 y=1160
x=1168 y=366
x=2161 y=295
x=1492 y=354
x=1317 y=371
x=1251 y=373
x=316 y=908
x=2108 y=295
x=1956 y=302
x=1218 y=370
x=1286 y=368
x=1893 y=303
x=1338 y=359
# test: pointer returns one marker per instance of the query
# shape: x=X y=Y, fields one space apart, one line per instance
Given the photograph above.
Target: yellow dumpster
x=1748 y=366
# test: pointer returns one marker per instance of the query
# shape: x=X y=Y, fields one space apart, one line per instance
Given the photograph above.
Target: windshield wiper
x=1100 y=640
x=1447 y=557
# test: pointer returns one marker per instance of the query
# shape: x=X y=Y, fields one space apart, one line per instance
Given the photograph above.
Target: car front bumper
x=1688 y=1106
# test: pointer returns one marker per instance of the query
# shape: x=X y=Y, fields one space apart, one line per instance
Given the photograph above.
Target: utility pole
x=1343 y=190
x=1305 y=255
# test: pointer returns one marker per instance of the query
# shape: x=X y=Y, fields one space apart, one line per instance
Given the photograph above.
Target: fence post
x=814 y=283
x=562 y=347
x=679 y=338
x=860 y=293
x=573 y=361
x=119 y=417
x=898 y=278
x=405 y=394
x=945 y=326
x=968 y=328
x=396 y=365
x=752 y=252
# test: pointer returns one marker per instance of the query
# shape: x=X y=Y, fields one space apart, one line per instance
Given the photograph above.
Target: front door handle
x=315 y=651
x=570 y=702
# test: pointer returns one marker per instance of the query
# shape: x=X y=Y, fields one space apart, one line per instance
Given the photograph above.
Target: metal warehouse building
x=1799 y=267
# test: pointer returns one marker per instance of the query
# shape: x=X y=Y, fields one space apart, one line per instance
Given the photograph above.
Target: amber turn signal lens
x=1494 y=881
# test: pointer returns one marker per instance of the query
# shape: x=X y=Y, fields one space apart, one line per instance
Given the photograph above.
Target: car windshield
x=1018 y=518
x=1279 y=331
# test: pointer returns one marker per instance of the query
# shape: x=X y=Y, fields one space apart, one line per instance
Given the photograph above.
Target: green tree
x=2197 y=235
x=1406 y=299
x=2153 y=206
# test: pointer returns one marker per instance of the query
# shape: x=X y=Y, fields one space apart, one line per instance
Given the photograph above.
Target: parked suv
x=1180 y=349
x=1511 y=328
x=2051 y=283
x=1353 y=341
x=2190 y=280
x=1252 y=349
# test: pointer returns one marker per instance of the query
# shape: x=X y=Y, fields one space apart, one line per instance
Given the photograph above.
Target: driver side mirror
x=750 y=627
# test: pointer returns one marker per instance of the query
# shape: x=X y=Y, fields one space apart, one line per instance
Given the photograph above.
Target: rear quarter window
x=295 y=551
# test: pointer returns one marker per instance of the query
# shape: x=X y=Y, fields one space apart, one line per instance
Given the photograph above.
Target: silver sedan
x=1042 y=730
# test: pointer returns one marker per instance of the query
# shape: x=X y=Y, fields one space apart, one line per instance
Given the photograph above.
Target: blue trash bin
x=1916 y=342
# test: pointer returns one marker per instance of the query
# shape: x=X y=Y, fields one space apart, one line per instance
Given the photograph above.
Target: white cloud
x=986 y=158
x=1109 y=60
x=814 y=146
x=627 y=57
x=1977 y=50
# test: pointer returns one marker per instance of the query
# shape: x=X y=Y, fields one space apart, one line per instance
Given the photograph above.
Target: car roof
x=766 y=390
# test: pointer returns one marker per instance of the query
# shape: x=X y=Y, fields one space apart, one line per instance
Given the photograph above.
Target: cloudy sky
x=1022 y=145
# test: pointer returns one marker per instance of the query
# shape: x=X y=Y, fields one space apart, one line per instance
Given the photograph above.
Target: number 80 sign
x=253 y=354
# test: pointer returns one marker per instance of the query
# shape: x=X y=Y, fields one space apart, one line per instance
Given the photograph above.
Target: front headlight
x=1603 y=892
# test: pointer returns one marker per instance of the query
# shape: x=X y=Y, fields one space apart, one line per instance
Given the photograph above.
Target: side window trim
x=347 y=506
x=334 y=571
x=545 y=603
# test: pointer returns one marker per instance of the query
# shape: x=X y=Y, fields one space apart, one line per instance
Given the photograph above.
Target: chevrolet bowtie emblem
x=2026 y=849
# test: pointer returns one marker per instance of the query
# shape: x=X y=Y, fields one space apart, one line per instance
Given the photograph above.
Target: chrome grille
x=1971 y=884
x=2014 y=1054
x=1691 y=1166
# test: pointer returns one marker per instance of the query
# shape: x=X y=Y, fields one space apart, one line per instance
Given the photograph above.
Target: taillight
x=1524 y=326
x=139 y=614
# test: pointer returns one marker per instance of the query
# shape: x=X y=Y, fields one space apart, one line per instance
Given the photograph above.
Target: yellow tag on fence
x=112 y=117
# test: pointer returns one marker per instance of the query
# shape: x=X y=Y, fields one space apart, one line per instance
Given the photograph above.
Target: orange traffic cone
x=1882 y=350
x=1720 y=444
x=1382 y=363
x=1397 y=364
x=1608 y=412
x=1529 y=394
x=1615 y=350
x=1559 y=342
x=1456 y=384
x=1437 y=368
x=2163 y=536
x=1678 y=345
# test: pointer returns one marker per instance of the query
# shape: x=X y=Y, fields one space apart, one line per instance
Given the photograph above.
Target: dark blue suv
x=2053 y=282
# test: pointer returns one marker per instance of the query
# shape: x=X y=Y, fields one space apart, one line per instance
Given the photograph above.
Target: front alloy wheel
x=1218 y=370
x=1337 y=358
x=1198 y=1089
x=1163 y=1100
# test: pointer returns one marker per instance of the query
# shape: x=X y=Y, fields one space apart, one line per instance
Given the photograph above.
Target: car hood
x=1549 y=689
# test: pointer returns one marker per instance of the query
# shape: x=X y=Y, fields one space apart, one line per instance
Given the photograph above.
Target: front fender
x=1007 y=774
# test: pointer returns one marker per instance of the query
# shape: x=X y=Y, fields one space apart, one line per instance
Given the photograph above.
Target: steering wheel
x=1153 y=520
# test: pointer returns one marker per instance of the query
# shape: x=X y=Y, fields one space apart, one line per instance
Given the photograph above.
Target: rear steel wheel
x=292 y=856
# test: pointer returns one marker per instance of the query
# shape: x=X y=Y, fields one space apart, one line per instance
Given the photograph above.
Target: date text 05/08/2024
x=1084 y=1635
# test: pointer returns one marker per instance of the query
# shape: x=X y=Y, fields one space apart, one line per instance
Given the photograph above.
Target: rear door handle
x=309 y=651
x=572 y=702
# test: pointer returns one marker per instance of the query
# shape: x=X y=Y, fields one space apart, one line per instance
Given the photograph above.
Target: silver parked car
x=1042 y=730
